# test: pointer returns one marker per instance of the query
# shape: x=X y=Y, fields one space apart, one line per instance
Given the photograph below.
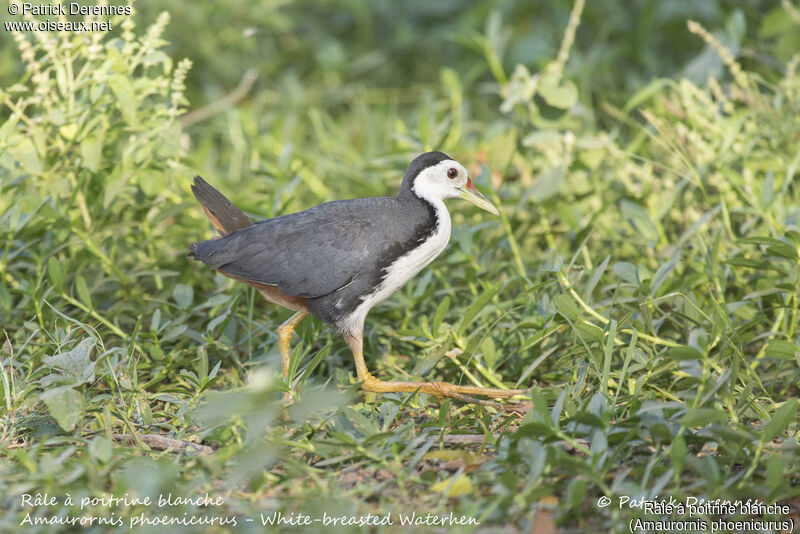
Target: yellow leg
x=285 y=332
x=440 y=389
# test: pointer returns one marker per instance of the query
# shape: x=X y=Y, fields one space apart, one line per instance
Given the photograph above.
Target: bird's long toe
x=440 y=389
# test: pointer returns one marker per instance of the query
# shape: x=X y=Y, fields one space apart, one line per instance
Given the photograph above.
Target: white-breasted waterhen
x=339 y=259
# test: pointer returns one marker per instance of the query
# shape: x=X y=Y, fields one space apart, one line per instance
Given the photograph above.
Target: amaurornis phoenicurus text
x=339 y=259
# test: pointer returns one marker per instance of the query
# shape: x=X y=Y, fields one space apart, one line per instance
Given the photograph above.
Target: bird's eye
x=452 y=172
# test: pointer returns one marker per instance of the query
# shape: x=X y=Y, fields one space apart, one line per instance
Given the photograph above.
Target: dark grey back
x=339 y=247
x=334 y=254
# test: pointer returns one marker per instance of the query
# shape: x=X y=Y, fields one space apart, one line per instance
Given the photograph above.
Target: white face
x=446 y=179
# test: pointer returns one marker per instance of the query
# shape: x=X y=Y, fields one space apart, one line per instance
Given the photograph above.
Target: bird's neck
x=432 y=203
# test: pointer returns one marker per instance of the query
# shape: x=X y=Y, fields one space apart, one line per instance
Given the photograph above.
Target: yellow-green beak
x=471 y=194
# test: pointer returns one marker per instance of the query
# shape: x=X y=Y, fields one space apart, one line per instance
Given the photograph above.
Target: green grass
x=643 y=279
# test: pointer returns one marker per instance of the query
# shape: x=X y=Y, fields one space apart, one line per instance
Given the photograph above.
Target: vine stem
x=569 y=36
x=591 y=311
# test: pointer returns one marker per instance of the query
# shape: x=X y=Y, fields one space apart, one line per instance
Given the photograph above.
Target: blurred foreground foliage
x=644 y=274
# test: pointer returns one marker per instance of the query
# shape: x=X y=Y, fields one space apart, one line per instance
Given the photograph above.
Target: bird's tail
x=224 y=216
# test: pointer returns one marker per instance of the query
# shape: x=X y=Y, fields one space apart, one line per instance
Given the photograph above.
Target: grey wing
x=307 y=254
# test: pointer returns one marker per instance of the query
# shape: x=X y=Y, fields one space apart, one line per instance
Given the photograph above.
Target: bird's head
x=436 y=176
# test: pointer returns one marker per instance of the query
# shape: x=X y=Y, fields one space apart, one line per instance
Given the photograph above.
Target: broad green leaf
x=100 y=449
x=534 y=454
x=661 y=274
x=781 y=349
x=608 y=349
x=587 y=418
x=568 y=215
x=677 y=453
x=561 y=96
x=702 y=416
x=481 y=302
x=76 y=365
x=389 y=411
x=155 y=57
x=126 y=98
x=535 y=430
x=660 y=433
x=763 y=264
x=155 y=321
x=541 y=137
x=66 y=405
x=774 y=246
x=647 y=92
x=423 y=365
x=216 y=321
x=454 y=487
x=592 y=158
x=639 y=219
x=596 y=275
x=774 y=471
x=91 y=150
x=784 y=250
x=55 y=273
x=760 y=240
x=768 y=189
x=490 y=353
x=558 y=408
x=576 y=492
x=68 y=131
x=441 y=312
x=83 y=291
x=547 y=184
x=780 y=420
x=145 y=411
x=24 y=151
x=566 y=306
x=502 y=147
x=470 y=459
x=627 y=271
x=590 y=332
x=684 y=352
x=599 y=442
x=183 y=295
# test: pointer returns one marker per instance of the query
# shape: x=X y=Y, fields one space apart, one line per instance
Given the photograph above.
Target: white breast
x=404 y=269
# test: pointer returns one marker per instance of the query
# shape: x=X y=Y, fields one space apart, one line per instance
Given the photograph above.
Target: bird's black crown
x=419 y=164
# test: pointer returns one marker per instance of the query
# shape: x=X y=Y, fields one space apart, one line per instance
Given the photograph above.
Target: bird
x=337 y=260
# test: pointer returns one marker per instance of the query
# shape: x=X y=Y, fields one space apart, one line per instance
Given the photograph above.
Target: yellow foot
x=285 y=332
x=440 y=389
